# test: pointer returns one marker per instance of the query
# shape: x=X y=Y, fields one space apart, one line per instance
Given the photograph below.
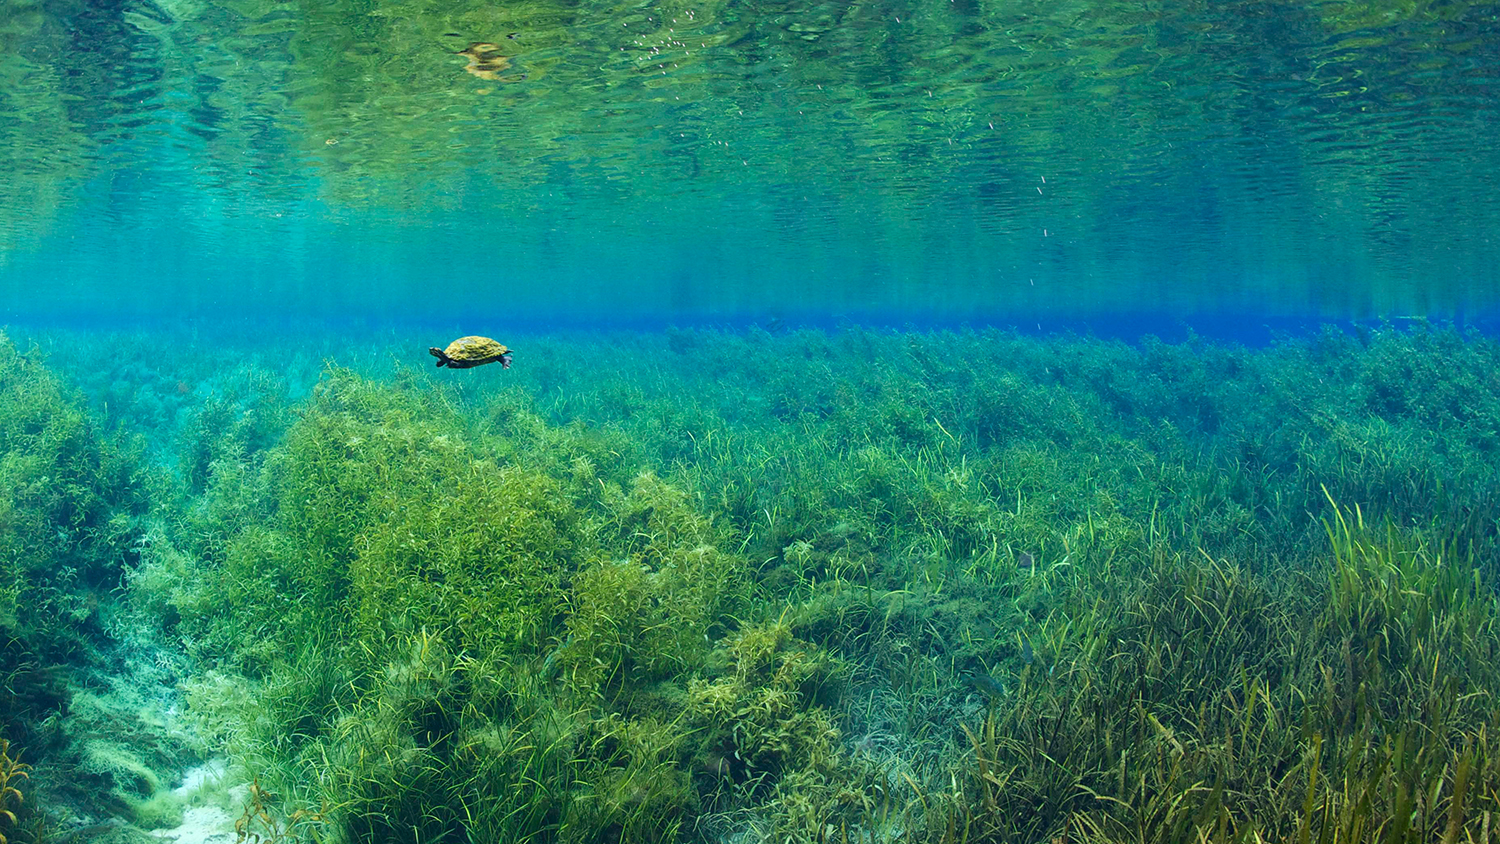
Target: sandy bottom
x=203 y=824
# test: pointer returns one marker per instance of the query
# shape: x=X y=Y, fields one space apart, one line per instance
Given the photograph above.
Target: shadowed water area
x=934 y=159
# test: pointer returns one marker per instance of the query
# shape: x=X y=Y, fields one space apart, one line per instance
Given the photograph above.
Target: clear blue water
x=683 y=161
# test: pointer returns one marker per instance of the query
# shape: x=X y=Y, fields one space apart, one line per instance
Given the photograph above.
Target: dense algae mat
x=939 y=587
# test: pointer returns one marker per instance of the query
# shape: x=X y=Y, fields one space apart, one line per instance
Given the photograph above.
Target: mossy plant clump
x=387 y=520
x=479 y=553
x=764 y=711
x=660 y=593
x=68 y=504
x=121 y=754
x=766 y=735
x=406 y=595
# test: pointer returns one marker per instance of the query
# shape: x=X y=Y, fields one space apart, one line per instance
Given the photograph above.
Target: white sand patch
x=204 y=824
x=201 y=825
x=209 y=773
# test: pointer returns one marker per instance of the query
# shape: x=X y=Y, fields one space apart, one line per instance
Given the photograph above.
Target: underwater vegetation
x=992 y=588
x=13 y=772
x=65 y=502
x=71 y=503
x=1354 y=706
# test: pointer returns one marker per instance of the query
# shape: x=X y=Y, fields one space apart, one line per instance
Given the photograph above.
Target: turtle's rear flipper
x=438 y=353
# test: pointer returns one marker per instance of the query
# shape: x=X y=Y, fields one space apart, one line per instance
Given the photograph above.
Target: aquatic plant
x=1012 y=589
x=12 y=772
x=66 y=501
x=441 y=561
x=1190 y=705
x=648 y=611
x=70 y=502
x=764 y=709
x=120 y=753
x=259 y=824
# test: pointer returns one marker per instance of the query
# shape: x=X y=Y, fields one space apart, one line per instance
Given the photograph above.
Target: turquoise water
x=993 y=161
x=942 y=421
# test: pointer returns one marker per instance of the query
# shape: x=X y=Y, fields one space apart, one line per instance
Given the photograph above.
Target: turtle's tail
x=438 y=353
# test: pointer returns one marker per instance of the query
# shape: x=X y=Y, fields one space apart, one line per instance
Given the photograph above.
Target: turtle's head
x=505 y=359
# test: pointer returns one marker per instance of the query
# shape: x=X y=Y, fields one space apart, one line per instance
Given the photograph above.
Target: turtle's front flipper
x=438 y=353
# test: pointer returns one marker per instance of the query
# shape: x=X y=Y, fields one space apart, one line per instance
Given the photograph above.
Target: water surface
x=692 y=160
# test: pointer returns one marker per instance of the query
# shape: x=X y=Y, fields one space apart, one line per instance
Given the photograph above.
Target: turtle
x=472 y=351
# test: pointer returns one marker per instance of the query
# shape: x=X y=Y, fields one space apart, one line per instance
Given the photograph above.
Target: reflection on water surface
x=713 y=158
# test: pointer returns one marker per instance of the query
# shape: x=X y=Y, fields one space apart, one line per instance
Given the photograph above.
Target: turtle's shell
x=475 y=349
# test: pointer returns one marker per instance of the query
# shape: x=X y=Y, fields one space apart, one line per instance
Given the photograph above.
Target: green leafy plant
x=260 y=825
x=12 y=771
